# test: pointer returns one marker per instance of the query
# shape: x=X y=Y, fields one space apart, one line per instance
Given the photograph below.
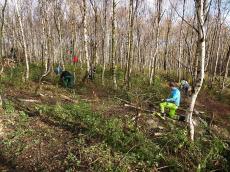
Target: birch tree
x=84 y=21
x=169 y=27
x=154 y=55
x=105 y=41
x=2 y=26
x=218 y=38
x=180 y=43
x=201 y=9
x=57 y=15
x=130 y=44
x=113 y=44
x=226 y=69
x=23 y=38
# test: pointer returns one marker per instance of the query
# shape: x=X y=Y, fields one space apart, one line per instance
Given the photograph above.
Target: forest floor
x=31 y=140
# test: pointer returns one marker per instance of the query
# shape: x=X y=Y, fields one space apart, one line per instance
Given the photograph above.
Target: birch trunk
x=23 y=39
x=85 y=36
x=130 y=44
x=226 y=69
x=105 y=42
x=167 y=40
x=180 y=44
x=201 y=11
x=219 y=38
x=153 y=59
x=2 y=26
x=113 y=45
x=57 y=22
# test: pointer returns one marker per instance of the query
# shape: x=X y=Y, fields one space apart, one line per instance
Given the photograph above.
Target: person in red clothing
x=75 y=59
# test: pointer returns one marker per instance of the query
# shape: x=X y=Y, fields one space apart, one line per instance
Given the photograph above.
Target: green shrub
x=8 y=106
x=131 y=143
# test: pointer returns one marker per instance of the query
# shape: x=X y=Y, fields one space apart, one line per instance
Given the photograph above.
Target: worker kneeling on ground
x=67 y=79
x=171 y=103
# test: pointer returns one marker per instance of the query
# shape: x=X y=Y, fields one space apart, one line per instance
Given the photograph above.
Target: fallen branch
x=159 y=134
x=164 y=167
x=88 y=100
x=212 y=119
x=22 y=107
x=68 y=98
x=122 y=100
x=143 y=110
x=42 y=95
x=127 y=154
x=29 y=100
x=138 y=108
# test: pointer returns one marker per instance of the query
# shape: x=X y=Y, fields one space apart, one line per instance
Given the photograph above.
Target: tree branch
x=183 y=18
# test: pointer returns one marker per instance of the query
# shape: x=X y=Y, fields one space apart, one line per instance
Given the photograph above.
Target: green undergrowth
x=133 y=144
x=134 y=147
x=107 y=143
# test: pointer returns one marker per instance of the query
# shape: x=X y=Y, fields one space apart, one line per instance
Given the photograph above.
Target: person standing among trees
x=185 y=87
x=171 y=103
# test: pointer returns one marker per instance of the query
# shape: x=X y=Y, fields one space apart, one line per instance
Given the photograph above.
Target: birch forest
x=114 y=85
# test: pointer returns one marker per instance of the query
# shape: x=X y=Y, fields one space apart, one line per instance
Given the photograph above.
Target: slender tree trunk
x=23 y=39
x=57 y=22
x=211 y=46
x=154 y=56
x=180 y=44
x=105 y=42
x=2 y=26
x=96 y=59
x=114 y=46
x=130 y=44
x=201 y=11
x=167 y=40
x=217 y=56
x=85 y=36
x=226 y=69
x=219 y=39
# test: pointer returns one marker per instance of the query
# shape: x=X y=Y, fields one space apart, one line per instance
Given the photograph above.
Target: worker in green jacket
x=67 y=79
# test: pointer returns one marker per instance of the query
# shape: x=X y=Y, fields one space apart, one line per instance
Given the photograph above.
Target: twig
x=138 y=108
x=217 y=170
x=126 y=154
x=212 y=119
x=183 y=18
x=95 y=160
x=164 y=167
x=87 y=100
x=122 y=100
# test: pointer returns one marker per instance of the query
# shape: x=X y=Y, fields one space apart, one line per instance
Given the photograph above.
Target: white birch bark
x=85 y=36
x=114 y=45
x=201 y=11
x=23 y=39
